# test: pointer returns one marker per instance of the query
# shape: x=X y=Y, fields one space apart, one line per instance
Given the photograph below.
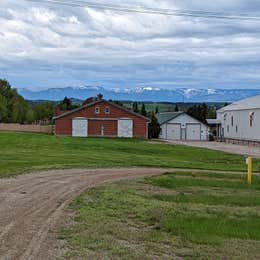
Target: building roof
x=167 y=116
x=248 y=103
x=213 y=121
x=96 y=102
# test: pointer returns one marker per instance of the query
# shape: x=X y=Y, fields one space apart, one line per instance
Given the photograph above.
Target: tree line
x=202 y=112
x=15 y=109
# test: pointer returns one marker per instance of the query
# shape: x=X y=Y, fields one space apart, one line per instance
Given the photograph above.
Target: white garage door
x=125 y=128
x=173 y=132
x=193 y=132
x=80 y=127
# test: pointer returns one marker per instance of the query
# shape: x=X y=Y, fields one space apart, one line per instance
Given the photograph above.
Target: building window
x=225 y=117
x=232 y=121
x=107 y=110
x=251 y=116
x=228 y=128
x=236 y=129
x=97 y=110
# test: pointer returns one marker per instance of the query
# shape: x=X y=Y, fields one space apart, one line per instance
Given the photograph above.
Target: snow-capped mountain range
x=142 y=94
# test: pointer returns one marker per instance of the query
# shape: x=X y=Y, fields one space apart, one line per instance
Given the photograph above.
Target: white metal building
x=180 y=126
x=241 y=120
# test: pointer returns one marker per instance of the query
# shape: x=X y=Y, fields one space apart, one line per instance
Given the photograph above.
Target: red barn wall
x=64 y=124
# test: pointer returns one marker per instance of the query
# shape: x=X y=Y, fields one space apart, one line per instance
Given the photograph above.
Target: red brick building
x=97 y=118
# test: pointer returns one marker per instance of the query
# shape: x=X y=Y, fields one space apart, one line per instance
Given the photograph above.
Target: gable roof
x=167 y=116
x=97 y=102
x=248 y=103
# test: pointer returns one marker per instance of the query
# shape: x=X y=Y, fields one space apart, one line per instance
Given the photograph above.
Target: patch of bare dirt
x=32 y=206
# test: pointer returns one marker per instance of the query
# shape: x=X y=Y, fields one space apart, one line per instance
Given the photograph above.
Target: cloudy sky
x=48 y=45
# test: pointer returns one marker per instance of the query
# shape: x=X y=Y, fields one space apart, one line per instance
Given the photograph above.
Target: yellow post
x=249 y=170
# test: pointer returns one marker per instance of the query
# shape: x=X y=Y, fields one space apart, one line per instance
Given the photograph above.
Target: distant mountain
x=142 y=94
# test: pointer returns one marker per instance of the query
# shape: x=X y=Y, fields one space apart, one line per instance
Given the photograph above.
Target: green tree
x=43 y=111
x=176 y=109
x=135 y=107
x=30 y=116
x=200 y=112
x=19 y=109
x=154 y=126
x=143 y=110
x=66 y=104
x=13 y=103
x=3 y=109
x=156 y=110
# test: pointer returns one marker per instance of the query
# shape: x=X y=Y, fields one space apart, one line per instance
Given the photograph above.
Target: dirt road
x=31 y=204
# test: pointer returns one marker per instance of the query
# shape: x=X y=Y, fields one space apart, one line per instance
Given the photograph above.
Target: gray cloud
x=51 y=45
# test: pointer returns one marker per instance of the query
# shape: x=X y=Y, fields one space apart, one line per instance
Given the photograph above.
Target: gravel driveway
x=220 y=146
x=32 y=204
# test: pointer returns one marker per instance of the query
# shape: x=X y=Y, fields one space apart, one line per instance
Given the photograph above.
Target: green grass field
x=20 y=152
x=174 y=215
x=192 y=216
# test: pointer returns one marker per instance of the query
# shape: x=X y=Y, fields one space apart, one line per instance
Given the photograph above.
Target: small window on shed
x=107 y=110
x=232 y=121
x=236 y=129
x=228 y=128
x=97 y=110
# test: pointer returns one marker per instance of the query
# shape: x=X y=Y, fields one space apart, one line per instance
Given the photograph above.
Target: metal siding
x=242 y=121
x=173 y=131
x=193 y=132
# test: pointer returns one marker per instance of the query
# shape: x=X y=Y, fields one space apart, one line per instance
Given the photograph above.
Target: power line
x=145 y=10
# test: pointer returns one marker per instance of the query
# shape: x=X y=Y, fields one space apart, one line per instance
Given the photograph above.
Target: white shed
x=181 y=126
x=241 y=120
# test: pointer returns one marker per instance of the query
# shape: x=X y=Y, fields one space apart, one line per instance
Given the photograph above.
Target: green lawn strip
x=133 y=220
x=173 y=181
x=211 y=230
x=25 y=151
x=207 y=199
x=213 y=175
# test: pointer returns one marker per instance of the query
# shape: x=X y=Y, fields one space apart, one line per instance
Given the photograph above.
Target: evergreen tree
x=154 y=126
x=66 y=104
x=135 y=107
x=143 y=110
x=200 y=112
x=176 y=109
x=156 y=110
x=204 y=112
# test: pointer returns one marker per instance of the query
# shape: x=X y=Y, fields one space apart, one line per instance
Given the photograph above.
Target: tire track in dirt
x=32 y=203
